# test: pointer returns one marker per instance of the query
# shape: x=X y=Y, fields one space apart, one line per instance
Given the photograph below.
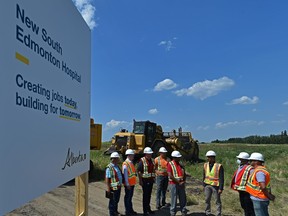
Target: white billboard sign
x=45 y=98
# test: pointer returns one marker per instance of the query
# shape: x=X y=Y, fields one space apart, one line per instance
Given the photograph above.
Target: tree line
x=281 y=138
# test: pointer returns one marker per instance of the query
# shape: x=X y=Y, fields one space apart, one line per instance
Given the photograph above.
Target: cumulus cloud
x=285 y=103
x=153 y=111
x=245 y=100
x=87 y=10
x=207 y=88
x=166 y=84
x=167 y=44
x=114 y=123
x=220 y=125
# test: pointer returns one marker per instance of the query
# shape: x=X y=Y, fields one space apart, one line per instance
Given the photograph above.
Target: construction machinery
x=149 y=134
x=95 y=138
x=95 y=135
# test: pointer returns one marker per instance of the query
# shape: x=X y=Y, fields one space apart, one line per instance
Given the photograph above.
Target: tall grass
x=100 y=161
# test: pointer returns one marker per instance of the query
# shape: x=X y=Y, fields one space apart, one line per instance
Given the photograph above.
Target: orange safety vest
x=131 y=172
x=253 y=186
x=240 y=183
x=146 y=171
x=176 y=171
x=212 y=176
x=114 y=181
x=162 y=165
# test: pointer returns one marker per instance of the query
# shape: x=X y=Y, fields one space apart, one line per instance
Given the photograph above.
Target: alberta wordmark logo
x=72 y=159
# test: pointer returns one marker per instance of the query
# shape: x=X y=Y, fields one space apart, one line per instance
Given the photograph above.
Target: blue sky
x=215 y=68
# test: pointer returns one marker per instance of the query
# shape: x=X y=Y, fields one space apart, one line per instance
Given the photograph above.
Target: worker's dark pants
x=113 y=202
x=147 y=187
x=128 y=199
x=246 y=203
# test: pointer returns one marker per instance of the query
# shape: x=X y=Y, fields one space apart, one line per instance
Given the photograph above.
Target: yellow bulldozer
x=95 y=135
x=95 y=138
x=149 y=134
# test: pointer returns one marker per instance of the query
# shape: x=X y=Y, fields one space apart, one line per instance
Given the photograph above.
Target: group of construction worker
x=161 y=170
x=251 y=180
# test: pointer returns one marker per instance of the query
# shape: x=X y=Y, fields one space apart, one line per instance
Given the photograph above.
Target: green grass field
x=275 y=160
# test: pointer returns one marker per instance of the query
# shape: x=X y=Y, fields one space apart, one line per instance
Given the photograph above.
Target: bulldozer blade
x=190 y=157
x=110 y=150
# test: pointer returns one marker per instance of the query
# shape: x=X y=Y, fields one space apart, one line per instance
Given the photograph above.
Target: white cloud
x=226 y=124
x=167 y=44
x=254 y=110
x=153 y=111
x=220 y=125
x=113 y=123
x=245 y=100
x=166 y=84
x=285 y=103
x=87 y=10
x=203 y=127
x=207 y=88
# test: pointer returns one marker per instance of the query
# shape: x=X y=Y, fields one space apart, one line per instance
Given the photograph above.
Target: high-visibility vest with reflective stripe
x=212 y=176
x=161 y=169
x=146 y=173
x=253 y=186
x=131 y=172
x=242 y=177
x=114 y=181
x=177 y=173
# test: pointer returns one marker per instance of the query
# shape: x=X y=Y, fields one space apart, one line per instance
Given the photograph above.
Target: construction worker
x=113 y=180
x=161 y=177
x=130 y=179
x=258 y=185
x=177 y=177
x=146 y=175
x=213 y=182
x=239 y=181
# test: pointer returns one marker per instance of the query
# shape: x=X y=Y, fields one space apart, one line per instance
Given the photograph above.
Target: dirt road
x=60 y=202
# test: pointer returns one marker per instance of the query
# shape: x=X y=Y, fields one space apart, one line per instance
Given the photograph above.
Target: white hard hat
x=114 y=155
x=210 y=153
x=129 y=152
x=243 y=155
x=176 y=154
x=163 y=150
x=148 y=150
x=256 y=156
